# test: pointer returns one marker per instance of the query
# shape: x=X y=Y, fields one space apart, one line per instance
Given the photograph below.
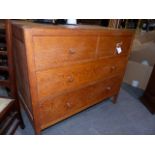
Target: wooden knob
x=70 y=79
x=68 y=104
x=108 y=88
x=113 y=67
x=119 y=44
x=72 y=51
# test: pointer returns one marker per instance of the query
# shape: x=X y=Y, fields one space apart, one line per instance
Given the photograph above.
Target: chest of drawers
x=62 y=70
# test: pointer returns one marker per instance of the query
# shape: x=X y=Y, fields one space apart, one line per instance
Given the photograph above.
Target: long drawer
x=60 y=107
x=56 y=50
x=58 y=80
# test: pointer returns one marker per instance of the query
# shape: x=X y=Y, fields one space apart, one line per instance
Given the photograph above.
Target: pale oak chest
x=62 y=70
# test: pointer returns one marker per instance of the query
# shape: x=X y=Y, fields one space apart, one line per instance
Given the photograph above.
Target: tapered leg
x=36 y=125
x=114 y=98
x=37 y=132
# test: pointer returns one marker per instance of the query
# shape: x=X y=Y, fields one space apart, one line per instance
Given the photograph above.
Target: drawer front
x=67 y=104
x=55 y=51
x=59 y=80
x=111 y=45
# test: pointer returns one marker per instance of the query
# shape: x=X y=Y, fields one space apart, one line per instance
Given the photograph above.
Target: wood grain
x=58 y=80
x=66 y=69
x=64 y=49
x=107 y=45
x=21 y=72
x=67 y=104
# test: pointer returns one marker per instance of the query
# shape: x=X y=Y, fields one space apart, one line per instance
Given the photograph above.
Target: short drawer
x=60 y=107
x=57 y=50
x=59 y=80
x=109 y=45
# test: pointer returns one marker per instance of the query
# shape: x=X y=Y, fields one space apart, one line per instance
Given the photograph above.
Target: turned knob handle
x=108 y=88
x=68 y=104
x=119 y=44
x=113 y=67
x=72 y=50
x=70 y=79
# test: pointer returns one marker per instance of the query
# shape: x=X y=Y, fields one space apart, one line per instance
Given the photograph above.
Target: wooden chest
x=62 y=70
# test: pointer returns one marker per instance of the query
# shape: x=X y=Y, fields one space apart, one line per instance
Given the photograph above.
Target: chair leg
x=22 y=125
x=21 y=122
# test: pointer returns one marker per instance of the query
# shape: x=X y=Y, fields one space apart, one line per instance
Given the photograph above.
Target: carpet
x=127 y=117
